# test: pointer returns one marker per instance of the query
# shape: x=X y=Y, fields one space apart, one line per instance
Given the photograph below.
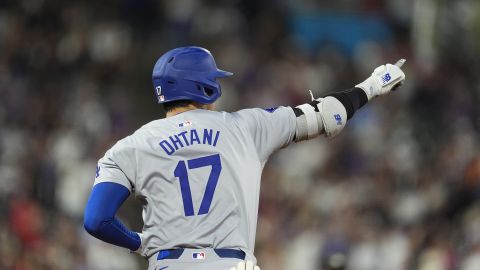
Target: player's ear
x=208 y=107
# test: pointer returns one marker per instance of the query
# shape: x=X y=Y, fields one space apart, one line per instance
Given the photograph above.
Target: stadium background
x=398 y=189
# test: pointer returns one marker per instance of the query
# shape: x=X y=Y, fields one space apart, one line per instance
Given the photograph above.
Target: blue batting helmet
x=187 y=73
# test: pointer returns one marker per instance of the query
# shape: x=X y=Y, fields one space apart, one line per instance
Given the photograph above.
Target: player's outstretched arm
x=245 y=265
x=328 y=115
x=99 y=217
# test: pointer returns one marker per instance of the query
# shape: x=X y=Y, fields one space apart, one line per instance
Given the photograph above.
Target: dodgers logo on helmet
x=159 y=93
x=187 y=73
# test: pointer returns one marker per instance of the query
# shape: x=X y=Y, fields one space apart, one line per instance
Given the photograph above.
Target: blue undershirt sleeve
x=99 y=217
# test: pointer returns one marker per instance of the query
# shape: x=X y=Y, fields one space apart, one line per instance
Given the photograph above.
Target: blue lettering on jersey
x=194 y=136
x=189 y=138
x=207 y=136
x=167 y=147
x=176 y=142
x=271 y=110
x=216 y=138
x=184 y=137
x=97 y=172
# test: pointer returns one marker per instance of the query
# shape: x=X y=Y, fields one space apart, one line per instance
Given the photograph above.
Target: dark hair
x=169 y=106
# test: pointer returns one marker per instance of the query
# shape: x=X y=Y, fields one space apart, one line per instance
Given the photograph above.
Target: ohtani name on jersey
x=189 y=137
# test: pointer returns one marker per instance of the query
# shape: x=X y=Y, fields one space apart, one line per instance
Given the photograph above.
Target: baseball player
x=197 y=172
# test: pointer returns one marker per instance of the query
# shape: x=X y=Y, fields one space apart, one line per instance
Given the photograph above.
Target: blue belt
x=221 y=252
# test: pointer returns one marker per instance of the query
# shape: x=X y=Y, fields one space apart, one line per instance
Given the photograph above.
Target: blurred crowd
x=399 y=188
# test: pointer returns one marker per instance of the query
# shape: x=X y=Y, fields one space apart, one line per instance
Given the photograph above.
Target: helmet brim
x=222 y=73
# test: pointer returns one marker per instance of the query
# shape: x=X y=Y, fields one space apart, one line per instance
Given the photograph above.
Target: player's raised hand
x=245 y=265
x=384 y=79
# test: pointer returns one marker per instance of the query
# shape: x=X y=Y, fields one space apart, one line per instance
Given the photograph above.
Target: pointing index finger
x=400 y=62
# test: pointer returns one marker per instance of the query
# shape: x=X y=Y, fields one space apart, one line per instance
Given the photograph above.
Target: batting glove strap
x=384 y=79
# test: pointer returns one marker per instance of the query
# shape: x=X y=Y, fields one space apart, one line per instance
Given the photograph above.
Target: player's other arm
x=113 y=184
x=99 y=216
x=328 y=115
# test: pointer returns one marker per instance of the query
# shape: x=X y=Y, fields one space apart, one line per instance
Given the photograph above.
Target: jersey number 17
x=182 y=174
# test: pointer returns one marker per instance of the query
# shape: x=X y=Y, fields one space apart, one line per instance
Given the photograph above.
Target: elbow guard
x=321 y=116
x=334 y=115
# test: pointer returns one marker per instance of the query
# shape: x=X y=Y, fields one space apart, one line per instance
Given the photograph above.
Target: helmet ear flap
x=208 y=91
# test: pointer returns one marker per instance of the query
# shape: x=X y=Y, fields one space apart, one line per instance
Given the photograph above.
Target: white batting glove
x=384 y=79
x=245 y=265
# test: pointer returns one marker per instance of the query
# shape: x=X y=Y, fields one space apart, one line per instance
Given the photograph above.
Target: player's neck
x=189 y=107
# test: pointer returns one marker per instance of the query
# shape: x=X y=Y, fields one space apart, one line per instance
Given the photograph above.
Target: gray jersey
x=198 y=174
